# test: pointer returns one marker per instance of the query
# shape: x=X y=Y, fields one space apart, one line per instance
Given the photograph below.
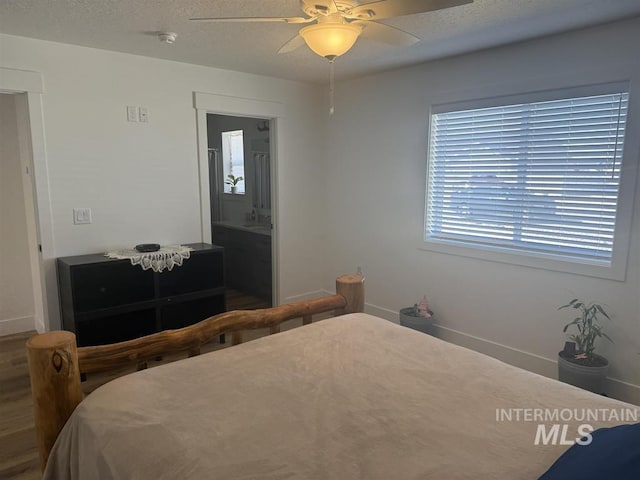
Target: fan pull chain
x=331 y=88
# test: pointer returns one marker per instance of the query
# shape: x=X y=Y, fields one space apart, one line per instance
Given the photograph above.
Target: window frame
x=616 y=270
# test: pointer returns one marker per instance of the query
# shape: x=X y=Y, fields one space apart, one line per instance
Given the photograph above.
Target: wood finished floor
x=18 y=454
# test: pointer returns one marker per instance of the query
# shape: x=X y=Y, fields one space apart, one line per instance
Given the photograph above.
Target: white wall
x=141 y=180
x=16 y=293
x=375 y=196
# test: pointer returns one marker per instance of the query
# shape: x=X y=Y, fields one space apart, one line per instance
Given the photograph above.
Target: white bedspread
x=353 y=397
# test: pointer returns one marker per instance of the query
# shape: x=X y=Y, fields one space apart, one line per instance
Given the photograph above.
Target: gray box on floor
x=419 y=323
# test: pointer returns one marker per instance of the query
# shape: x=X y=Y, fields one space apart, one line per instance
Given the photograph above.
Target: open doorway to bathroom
x=240 y=184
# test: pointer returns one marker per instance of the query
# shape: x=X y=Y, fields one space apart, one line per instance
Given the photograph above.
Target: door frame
x=37 y=198
x=205 y=103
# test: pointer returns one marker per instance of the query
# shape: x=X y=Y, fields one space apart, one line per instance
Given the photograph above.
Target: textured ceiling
x=130 y=26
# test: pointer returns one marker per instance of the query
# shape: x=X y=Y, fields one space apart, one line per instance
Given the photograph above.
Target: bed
x=349 y=397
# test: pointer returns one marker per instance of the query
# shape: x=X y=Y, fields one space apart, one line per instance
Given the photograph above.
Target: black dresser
x=106 y=300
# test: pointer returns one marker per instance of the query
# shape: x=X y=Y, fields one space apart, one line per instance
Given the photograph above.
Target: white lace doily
x=166 y=258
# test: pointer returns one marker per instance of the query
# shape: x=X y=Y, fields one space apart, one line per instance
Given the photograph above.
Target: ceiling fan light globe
x=330 y=39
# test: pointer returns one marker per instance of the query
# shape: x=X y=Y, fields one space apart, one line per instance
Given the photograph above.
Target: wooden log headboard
x=55 y=362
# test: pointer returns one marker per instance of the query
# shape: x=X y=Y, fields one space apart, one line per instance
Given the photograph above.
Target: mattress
x=353 y=397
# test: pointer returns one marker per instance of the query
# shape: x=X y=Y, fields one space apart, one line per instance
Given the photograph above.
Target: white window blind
x=537 y=177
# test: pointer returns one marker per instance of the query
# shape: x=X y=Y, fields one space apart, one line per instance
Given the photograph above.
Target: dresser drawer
x=110 y=284
x=203 y=271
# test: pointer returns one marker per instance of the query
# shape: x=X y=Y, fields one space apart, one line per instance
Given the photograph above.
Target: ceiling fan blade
x=293 y=44
x=397 y=8
x=255 y=19
x=386 y=34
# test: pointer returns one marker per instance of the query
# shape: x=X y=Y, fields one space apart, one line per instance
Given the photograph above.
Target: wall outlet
x=132 y=114
x=81 y=216
x=143 y=114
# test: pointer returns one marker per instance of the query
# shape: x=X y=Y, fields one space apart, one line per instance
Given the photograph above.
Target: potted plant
x=578 y=364
x=233 y=181
x=418 y=317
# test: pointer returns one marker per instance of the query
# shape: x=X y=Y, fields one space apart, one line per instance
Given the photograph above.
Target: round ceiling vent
x=167 y=37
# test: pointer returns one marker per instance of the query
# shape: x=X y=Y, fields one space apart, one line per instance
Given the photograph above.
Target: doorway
x=21 y=299
x=240 y=186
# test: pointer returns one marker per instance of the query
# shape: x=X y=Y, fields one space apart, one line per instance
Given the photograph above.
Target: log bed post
x=351 y=287
x=55 y=385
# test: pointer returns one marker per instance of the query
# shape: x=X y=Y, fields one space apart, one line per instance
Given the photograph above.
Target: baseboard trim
x=39 y=325
x=546 y=367
x=382 y=313
x=10 y=326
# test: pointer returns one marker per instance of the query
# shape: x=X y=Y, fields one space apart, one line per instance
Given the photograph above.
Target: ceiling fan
x=335 y=25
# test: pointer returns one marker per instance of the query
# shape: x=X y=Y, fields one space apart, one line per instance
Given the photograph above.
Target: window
x=537 y=178
x=233 y=161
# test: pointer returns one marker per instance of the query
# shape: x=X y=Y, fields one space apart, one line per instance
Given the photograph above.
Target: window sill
x=556 y=263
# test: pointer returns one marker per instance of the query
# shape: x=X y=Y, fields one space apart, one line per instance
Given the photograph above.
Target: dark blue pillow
x=614 y=453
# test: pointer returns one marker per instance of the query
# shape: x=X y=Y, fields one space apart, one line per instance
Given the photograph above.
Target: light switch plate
x=143 y=115
x=81 y=216
x=132 y=114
